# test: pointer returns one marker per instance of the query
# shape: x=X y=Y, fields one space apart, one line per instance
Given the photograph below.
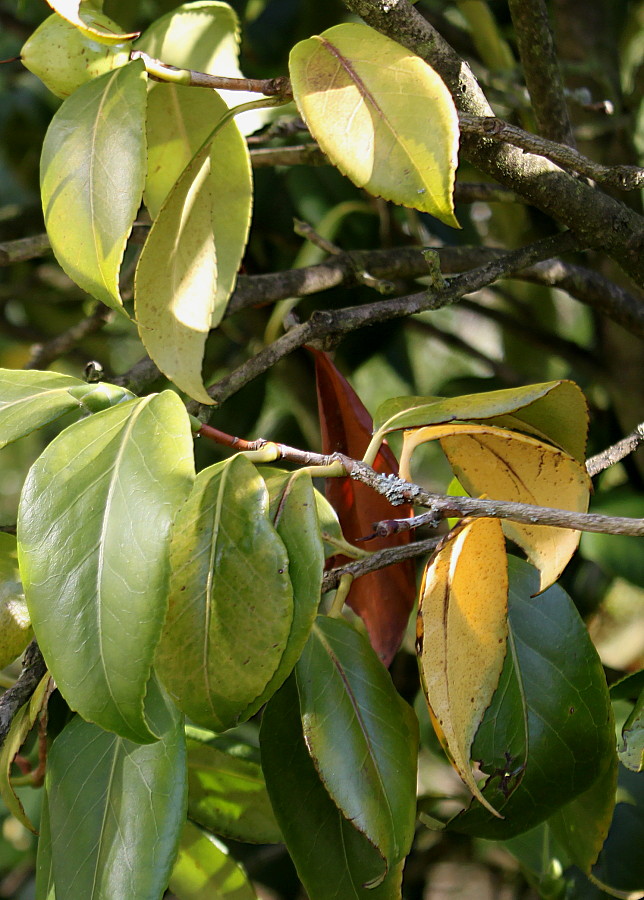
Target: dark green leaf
x=621 y=862
x=334 y=860
x=44 y=862
x=548 y=734
x=92 y=171
x=116 y=810
x=230 y=602
x=362 y=737
x=93 y=533
x=227 y=795
x=205 y=870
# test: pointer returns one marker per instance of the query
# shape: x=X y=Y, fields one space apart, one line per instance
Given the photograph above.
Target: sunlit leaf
x=383 y=599
x=381 y=114
x=90 y=22
x=334 y=860
x=230 y=599
x=227 y=795
x=31 y=399
x=205 y=870
x=92 y=172
x=203 y=36
x=189 y=264
x=93 y=534
x=22 y=723
x=462 y=630
x=507 y=465
x=15 y=624
x=549 y=722
x=555 y=411
x=361 y=736
x=116 y=810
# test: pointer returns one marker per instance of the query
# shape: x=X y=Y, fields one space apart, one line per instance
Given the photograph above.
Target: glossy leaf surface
x=93 y=533
x=368 y=102
x=30 y=399
x=462 y=631
x=319 y=838
x=549 y=722
x=554 y=410
x=361 y=735
x=90 y=23
x=189 y=264
x=383 y=599
x=230 y=601
x=293 y=511
x=116 y=810
x=92 y=172
x=205 y=870
x=507 y=465
x=227 y=795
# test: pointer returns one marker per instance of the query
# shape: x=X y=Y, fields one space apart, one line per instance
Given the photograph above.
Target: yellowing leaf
x=462 y=629
x=506 y=465
x=181 y=287
x=91 y=23
x=381 y=114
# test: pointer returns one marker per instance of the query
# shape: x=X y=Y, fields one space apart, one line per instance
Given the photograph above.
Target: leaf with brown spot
x=462 y=630
x=383 y=599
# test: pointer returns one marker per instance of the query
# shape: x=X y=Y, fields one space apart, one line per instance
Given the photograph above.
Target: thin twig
x=612 y=455
x=44 y=354
x=626 y=178
x=380 y=559
x=23 y=249
x=33 y=669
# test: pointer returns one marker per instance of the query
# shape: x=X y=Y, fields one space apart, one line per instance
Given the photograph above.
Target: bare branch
x=33 y=669
x=23 y=249
x=626 y=178
x=378 y=560
x=43 y=354
x=612 y=455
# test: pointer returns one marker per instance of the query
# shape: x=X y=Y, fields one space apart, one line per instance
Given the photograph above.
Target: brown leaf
x=382 y=599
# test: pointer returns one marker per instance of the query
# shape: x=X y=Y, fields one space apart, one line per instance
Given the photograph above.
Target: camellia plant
x=176 y=605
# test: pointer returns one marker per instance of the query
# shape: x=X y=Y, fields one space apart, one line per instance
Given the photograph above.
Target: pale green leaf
x=30 y=399
x=93 y=533
x=381 y=115
x=90 y=22
x=15 y=624
x=189 y=264
x=92 y=172
x=205 y=870
x=116 y=810
x=230 y=600
x=204 y=36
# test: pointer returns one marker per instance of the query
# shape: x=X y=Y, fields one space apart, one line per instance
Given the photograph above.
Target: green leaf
x=205 y=870
x=294 y=515
x=92 y=172
x=381 y=115
x=116 y=810
x=334 y=860
x=199 y=191
x=631 y=747
x=362 y=737
x=91 y=23
x=15 y=624
x=621 y=862
x=549 y=722
x=44 y=863
x=617 y=554
x=203 y=36
x=21 y=725
x=30 y=399
x=227 y=795
x=93 y=534
x=554 y=410
x=230 y=599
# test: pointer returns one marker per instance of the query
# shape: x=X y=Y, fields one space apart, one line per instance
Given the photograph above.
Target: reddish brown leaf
x=382 y=599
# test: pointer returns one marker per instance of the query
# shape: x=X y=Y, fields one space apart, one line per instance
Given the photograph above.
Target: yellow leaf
x=507 y=465
x=381 y=114
x=91 y=23
x=462 y=630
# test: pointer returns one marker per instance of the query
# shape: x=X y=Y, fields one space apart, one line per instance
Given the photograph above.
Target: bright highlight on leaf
x=92 y=172
x=91 y=23
x=189 y=263
x=462 y=631
x=507 y=465
x=381 y=114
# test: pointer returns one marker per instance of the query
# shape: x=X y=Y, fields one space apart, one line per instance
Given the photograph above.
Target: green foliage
x=208 y=691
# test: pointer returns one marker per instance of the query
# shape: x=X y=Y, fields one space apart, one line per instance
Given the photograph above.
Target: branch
x=23 y=249
x=33 y=670
x=43 y=354
x=378 y=560
x=626 y=178
x=599 y=220
x=617 y=452
x=541 y=69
